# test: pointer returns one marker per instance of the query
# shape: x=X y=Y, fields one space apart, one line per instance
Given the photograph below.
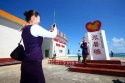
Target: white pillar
x=98 y=45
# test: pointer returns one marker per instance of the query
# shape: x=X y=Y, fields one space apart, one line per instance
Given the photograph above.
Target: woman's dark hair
x=29 y=14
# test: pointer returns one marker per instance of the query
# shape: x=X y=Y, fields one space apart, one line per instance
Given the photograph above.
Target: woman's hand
x=53 y=28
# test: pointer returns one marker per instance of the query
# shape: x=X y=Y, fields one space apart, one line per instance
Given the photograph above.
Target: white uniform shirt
x=37 y=30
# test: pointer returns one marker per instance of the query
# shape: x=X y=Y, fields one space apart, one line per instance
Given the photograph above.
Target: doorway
x=46 y=53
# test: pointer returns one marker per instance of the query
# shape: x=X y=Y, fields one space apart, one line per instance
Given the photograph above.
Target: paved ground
x=57 y=74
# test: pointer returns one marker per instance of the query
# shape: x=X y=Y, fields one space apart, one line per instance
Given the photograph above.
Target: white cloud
x=118 y=44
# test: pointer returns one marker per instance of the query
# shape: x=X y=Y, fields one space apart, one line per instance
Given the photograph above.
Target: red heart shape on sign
x=95 y=26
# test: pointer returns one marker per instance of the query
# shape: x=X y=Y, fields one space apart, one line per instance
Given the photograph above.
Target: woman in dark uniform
x=33 y=34
x=84 y=48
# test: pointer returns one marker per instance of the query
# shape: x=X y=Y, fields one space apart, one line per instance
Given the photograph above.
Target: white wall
x=57 y=49
x=49 y=44
x=9 y=37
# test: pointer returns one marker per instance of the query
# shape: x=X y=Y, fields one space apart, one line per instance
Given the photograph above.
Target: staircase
x=102 y=67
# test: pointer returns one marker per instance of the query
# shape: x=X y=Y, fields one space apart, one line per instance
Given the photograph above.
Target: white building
x=56 y=45
x=10 y=37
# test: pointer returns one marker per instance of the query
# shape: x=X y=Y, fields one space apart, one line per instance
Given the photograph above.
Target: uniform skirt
x=32 y=72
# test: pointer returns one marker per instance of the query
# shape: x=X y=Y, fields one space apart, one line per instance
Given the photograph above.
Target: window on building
x=60 y=51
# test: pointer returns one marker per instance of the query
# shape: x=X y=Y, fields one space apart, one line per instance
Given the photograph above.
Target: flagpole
x=54 y=17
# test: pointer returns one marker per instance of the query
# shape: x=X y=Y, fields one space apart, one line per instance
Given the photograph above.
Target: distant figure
x=54 y=56
x=79 y=56
x=112 y=54
x=84 y=48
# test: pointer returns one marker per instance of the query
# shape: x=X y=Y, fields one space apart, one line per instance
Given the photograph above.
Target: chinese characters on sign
x=96 y=43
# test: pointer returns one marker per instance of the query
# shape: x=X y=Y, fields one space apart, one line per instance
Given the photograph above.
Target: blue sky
x=72 y=16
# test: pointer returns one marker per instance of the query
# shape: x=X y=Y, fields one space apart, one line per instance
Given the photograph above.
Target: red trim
x=62 y=37
x=60 y=41
x=63 y=46
x=2 y=60
x=64 y=43
x=60 y=45
x=57 y=40
x=57 y=44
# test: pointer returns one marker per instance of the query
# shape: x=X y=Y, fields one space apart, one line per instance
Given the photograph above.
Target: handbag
x=18 y=53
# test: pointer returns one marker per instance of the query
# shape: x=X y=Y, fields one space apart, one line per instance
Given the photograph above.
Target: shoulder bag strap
x=20 y=41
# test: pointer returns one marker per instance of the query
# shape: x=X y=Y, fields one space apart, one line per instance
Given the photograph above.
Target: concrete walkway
x=57 y=74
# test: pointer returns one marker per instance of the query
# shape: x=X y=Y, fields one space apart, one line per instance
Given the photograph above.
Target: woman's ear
x=33 y=18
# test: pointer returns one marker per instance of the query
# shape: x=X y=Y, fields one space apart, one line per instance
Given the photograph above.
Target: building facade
x=10 y=34
x=55 y=46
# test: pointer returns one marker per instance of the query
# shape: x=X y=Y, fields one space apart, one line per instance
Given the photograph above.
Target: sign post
x=97 y=42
